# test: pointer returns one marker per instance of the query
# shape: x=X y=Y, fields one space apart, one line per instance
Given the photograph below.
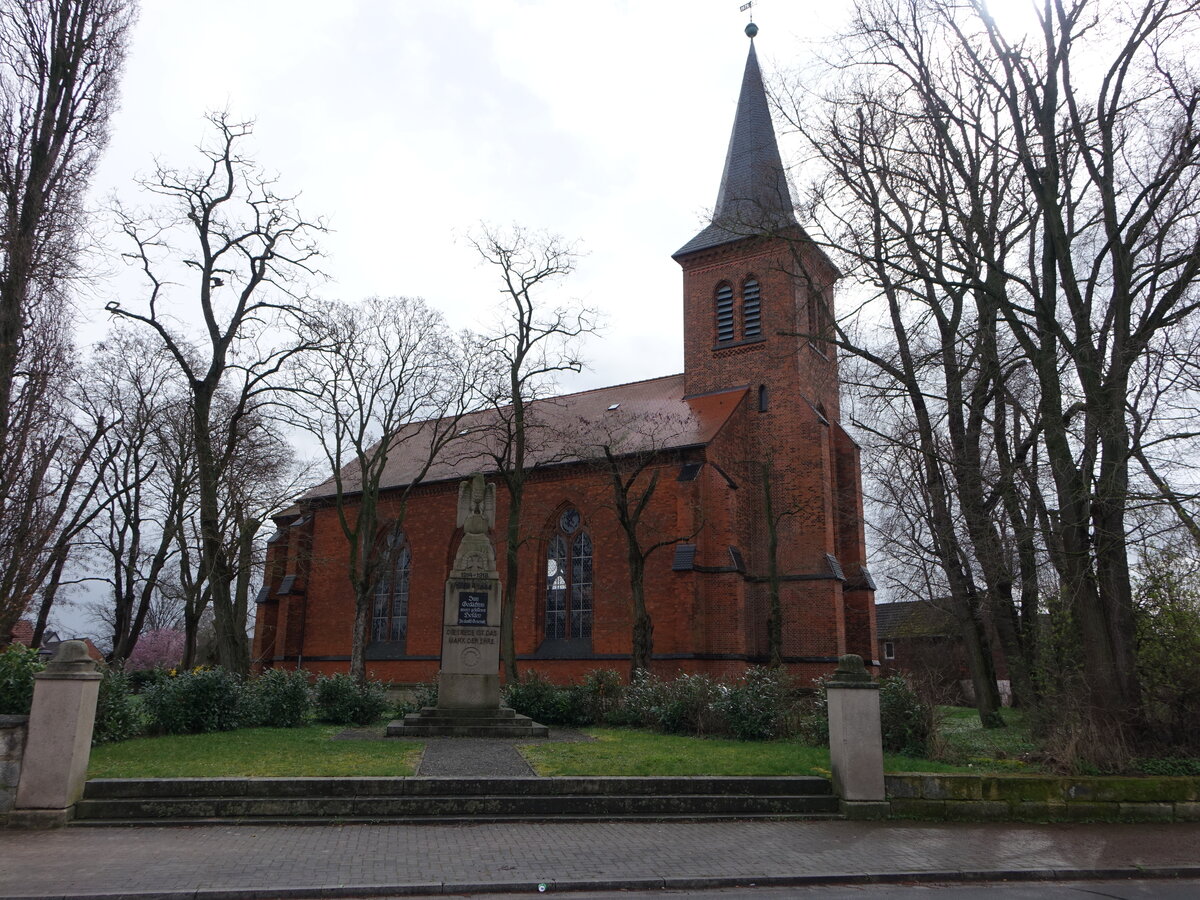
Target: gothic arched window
x=569 y=579
x=724 y=313
x=389 y=615
x=751 y=308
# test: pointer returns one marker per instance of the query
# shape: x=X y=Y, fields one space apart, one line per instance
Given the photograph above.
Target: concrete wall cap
x=70 y=661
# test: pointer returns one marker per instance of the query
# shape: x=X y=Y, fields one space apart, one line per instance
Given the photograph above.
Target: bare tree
x=129 y=382
x=631 y=448
x=389 y=385
x=1039 y=195
x=50 y=473
x=247 y=254
x=534 y=343
x=59 y=65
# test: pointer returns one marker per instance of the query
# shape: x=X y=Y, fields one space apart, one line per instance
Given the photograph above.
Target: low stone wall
x=1042 y=798
x=12 y=748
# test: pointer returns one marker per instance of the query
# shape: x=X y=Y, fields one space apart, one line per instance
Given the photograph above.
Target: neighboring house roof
x=92 y=649
x=22 y=633
x=631 y=418
x=912 y=618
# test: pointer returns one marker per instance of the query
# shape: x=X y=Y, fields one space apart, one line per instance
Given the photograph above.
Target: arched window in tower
x=751 y=309
x=389 y=615
x=569 y=579
x=724 y=313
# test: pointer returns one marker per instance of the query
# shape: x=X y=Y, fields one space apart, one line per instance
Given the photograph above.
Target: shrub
x=342 y=701
x=278 y=699
x=18 y=665
x=905 y=720
x=1168 y=645
x=687 y=705
x=548 y=703
x=602 y=695
x=141 y=679
x=118 y=712
x=195 y=702
x=757 y=708
x=421 y=695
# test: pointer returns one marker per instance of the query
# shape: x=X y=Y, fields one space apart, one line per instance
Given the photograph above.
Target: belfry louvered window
x=751 y=309
x=724 y=313
x=569 y=580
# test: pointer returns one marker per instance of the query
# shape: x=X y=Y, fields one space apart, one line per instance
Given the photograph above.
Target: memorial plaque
x=472 y=607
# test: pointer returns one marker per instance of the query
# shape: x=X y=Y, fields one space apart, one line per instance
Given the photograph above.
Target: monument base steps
x=440 y=721
x=193 y=801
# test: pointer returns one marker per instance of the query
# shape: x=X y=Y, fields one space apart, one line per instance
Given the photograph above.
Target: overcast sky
x=404 y=124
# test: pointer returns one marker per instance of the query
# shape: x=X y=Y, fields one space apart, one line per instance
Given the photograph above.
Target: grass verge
x=262 y=752
x=965 y=740
x=618 y=751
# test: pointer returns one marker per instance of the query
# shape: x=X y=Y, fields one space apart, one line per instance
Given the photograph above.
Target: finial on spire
x=751 y=29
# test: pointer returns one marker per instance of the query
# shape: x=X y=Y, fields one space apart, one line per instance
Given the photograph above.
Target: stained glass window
x=389 y=619
x=569 y=580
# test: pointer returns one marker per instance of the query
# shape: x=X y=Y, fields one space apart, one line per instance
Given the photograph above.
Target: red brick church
x=758 y=386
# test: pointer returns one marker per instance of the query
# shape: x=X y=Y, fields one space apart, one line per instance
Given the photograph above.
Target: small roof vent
x=614 y=406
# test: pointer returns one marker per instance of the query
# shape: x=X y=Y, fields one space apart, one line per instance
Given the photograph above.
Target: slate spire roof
x=754 y=196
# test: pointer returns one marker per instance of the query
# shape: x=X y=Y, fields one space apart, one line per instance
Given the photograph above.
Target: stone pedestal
x=470 y=674
x=60 y=739
x=855 y=739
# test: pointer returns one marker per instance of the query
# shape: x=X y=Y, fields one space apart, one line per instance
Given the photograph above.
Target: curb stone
x=648 y=883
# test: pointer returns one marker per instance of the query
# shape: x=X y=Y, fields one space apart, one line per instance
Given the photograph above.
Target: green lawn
x=311 y=751
x=281 y=752
x=618 y=751
x=966 y=741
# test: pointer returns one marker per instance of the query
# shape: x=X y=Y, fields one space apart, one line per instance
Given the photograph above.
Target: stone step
x=503 y=712
x=419 y=730
x=455 y=785
x=442 y=820
x=467 y=807
x=506 y=722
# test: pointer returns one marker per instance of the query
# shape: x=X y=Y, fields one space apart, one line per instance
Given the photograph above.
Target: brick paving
x=293 y=860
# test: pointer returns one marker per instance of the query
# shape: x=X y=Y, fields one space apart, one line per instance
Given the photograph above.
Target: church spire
x=754 y=195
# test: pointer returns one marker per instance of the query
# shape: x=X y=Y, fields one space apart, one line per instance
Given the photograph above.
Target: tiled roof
x=631 y=418
x=22 y=632
x=912 y=618
x=754 y=197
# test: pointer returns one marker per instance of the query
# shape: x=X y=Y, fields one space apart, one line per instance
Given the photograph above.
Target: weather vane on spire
x=751 y=29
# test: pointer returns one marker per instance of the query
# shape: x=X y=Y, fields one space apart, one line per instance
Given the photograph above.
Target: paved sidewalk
x=243 y=862
x=473 y=756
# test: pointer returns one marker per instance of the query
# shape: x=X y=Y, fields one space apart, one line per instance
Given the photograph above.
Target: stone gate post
x=856 y=740
x=59 y=740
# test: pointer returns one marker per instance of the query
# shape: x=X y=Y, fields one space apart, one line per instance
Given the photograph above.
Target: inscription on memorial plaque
x=472 y=607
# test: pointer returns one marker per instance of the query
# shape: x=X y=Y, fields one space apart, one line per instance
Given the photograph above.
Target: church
x=756 y=442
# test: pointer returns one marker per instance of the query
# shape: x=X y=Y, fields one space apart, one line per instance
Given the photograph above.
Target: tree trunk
x=774 y=606
x=508 y=603
x=643 y=627
x=232 y=651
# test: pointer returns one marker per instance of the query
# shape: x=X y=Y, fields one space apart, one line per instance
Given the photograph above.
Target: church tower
x=758 y=312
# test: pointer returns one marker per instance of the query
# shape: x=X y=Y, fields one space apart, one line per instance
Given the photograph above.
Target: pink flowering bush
x=160 y=649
